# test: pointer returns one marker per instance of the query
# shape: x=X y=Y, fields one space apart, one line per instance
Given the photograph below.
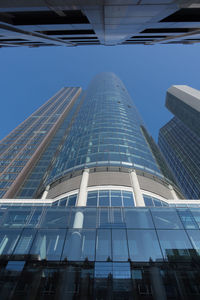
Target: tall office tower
x=74 y=23
x=88 y=215
x=179 y=139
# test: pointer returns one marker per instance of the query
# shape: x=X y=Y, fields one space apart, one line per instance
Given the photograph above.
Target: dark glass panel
x=175 y=244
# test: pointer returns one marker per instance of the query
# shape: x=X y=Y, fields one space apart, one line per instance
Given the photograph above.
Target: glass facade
x=124 y=253
x=180 y=147
x=110 y=198
x=106 y=132
x=116 y=234
x=18 y=148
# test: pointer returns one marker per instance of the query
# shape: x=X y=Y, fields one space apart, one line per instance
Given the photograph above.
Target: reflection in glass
x=138 y=218
x=17 y=218
x=119 y=245
x=175 y=244
x=143 y=245
x=35 y=218
x=56 y=218
x=103 y=245
x=196 y=214
x=8 y=240
x=166 y=218
x=104 y=218
x=48 y=244
x=128 y=199
x=25 y=241
x=79 y=245
x=187 y=218
x=194 y=236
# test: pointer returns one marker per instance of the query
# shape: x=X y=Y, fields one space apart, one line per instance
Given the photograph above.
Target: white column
x=44 y=195
x=139 y=201
x=173 y=193
x=78 y=220
x=82 y=197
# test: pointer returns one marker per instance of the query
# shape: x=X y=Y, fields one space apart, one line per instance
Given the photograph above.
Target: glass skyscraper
x=179 y=139
x=94 y=212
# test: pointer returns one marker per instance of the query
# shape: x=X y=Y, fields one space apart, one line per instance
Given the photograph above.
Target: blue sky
x=29 y=76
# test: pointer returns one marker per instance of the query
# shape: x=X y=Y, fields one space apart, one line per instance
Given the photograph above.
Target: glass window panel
x=8 y=240
x=143 y=245
x=56 y=218
x=103 y=193
x=63 y=201
x=2 y=215
x=103 y=245
x=115 y=193
x=92 y=194
x=148 y=201
x=128 y=202
x=166 y=218
x=25 y=241
x=128 y=199
x=157 y=202
x=79 y=245
x=16 y=266
x=196 y=214
x=119 y=245
x=117 y=217
x=92 y=201
x=138 y=218
x=175 y=244
x=35 y=218
x=72 y=200
x=194 y=236
x=116 y=201
x=104 y=218
x=187 y=218
x=89 y=218
x=17 y=218
x=121 y=271
x=48 y=244
x=104 y=201
x=103 y=269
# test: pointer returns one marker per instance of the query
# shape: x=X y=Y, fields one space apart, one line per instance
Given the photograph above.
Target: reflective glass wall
x=106 y=132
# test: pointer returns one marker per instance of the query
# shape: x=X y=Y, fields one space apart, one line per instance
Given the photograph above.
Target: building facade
x=96 y=214
x=179 y=139
x=73 y=23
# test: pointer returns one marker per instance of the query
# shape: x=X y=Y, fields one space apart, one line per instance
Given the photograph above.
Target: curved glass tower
x=106 y=132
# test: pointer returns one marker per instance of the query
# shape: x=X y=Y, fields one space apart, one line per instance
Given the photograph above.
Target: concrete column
x=136 y=189
x=82 y=197
x=173 y=193
x=45 y=193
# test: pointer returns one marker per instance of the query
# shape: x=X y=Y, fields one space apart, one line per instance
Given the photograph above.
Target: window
x=48 y=244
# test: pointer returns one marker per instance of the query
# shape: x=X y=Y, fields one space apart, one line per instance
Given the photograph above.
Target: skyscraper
x=74 y=23
x=179 y=139
x=88 y=213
